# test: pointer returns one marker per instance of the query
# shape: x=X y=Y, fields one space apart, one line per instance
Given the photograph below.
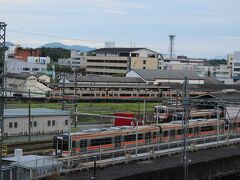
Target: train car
x=171 y=113
x=102 y=139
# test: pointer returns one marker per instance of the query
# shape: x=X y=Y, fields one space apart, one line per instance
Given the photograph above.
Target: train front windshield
x=160 y=110
x=61 y=142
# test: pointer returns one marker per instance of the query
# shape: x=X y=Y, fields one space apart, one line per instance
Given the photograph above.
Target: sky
x=203 y=28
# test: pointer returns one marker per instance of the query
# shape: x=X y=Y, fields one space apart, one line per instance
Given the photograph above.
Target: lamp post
x=94 y=167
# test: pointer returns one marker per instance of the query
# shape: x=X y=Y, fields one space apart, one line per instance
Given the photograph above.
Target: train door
x=172 y=134
x=83 y=145
x=196 y=131
x=117 y=141
x=147 y=137
x=58 y=146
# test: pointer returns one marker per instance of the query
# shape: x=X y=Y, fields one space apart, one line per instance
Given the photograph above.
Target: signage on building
x=38 y=60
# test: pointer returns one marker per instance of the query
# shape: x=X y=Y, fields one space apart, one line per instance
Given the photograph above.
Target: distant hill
x=7 y=43
x=64 y=46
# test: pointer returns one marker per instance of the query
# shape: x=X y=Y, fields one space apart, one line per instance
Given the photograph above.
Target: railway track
x=34 y=147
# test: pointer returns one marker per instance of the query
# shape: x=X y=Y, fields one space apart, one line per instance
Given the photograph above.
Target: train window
x=83 y=143
x=190 y=130
x=195 y=130
x=97 y=142
x=65 y=145
x=148 y=135
x=73 y=144
x=179 y=131
x=140 y=136
x=165 y=133
x=154 y=134
x=172 y=132
x=206 y=128
x=214 y=116
x=130 y=138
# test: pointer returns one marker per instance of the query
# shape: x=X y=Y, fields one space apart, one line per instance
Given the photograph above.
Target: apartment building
x=112 y=61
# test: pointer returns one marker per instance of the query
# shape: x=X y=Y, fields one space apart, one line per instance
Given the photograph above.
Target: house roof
x=31 y=161
x=40 y=74
x=226 y=96
x=23 y=112
x=105 y=79
x=19 y=75
x=115 y=50
x=153 y=74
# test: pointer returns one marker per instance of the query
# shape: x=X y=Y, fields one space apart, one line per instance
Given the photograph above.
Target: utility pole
x=2 y=100
x=29 y=116
x=185 y=125
x=91 y=91
x=63 y=92
x=75 y=96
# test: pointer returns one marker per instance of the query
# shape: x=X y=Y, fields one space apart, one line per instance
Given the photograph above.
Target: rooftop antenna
x=171 y=45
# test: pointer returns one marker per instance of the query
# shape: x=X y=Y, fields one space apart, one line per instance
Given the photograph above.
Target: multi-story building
x=236 y=66
x=230 y=58
x=110 y=61
x=74 y=61
x=223 y=74
x=169 y=63
x=22 y=54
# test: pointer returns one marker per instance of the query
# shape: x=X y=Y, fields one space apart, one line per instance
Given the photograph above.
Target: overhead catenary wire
x=60 y=37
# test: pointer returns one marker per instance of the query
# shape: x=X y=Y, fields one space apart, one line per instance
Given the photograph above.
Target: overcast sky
x=203 y=28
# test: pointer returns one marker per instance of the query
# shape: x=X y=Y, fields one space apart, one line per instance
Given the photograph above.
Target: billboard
x=38 y=60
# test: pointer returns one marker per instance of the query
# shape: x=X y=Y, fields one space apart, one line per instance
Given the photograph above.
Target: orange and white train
x=102 y=139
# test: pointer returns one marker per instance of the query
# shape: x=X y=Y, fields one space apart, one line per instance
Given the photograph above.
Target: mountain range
x=64 y=46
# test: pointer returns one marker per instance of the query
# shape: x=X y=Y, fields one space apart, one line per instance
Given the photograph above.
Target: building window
x=66 y=122
x=144 y=67
x=35 y=123
x=10 y=125
x=49 y=123
x=144 y=61
x=236 y=69
x=53 y=122
x=15 y=125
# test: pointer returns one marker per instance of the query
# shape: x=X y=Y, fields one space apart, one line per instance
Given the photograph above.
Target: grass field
x=96 y=108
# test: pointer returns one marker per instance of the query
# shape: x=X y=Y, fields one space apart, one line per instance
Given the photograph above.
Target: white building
x=17 y=84
x=42 y=121
x=168 y=63
x=74 y=61
x=236 y=66
x=19 y=66
x=223 y=73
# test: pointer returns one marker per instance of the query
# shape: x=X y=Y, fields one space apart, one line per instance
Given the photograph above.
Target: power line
x=53 y=36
